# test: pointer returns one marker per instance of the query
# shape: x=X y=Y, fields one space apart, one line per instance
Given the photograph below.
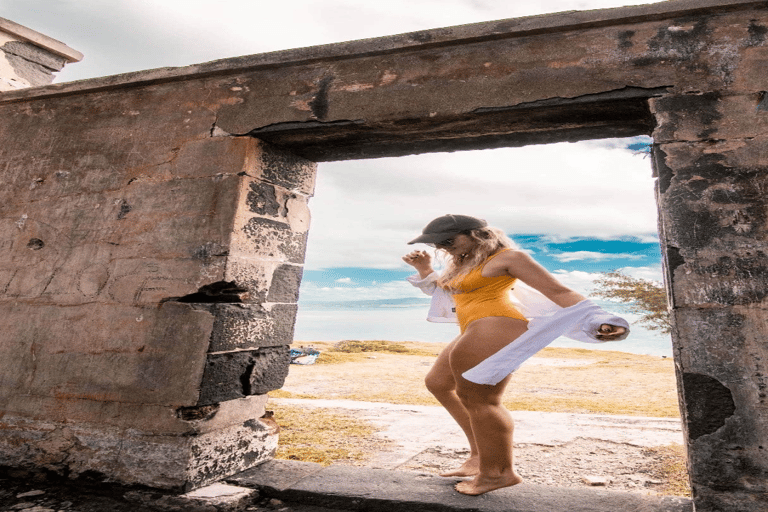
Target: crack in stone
x=628 y=92
x=214 y=293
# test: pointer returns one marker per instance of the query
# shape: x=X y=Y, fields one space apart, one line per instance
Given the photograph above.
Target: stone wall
x=150 y=274
x=28 y=58
x=154 y=223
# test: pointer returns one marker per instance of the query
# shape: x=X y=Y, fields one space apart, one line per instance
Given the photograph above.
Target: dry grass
x=387 y=347
x=671 y=469
x=317 y=435
x=581 y=381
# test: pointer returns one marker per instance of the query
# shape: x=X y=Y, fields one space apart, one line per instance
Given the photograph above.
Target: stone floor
x=288 y=486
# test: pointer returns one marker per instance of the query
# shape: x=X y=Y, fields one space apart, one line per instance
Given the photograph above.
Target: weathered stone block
x=284 y=169
x=271 y=239
x=713 y=210
x=36 y=54
x=272 y=224
x=709 y=116
x=215 y=156
x=251 y=273
x=251 y=326
x=231 y=439
x=232 y=375
x=730 y=339
x=286 y=281
x=148 y=281
x=104 y=352
x=753 y=58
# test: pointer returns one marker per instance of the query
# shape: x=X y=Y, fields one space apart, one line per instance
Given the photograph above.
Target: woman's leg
x=491 y=423
x=441 y=384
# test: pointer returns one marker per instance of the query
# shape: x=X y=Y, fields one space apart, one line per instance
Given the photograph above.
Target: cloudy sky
x=578 y=208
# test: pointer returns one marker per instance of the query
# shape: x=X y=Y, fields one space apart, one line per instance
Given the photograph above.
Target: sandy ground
x=552 y=448
x=559 y=380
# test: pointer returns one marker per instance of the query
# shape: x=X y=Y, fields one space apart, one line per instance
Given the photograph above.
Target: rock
x=595 y=480
x=30 y=494
x=22 y=506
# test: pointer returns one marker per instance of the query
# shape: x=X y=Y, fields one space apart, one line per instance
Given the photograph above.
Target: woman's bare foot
x=471 y=467
x=482 y=484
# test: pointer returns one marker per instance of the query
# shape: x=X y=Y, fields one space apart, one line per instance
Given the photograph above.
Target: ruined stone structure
x=29 y=58
x=153 y=225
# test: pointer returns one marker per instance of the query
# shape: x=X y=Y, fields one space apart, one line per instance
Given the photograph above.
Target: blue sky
x=577 y=254
x=589 y=254
x=568 y=259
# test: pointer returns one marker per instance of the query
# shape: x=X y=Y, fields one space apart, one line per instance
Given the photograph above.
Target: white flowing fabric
x=541 y=332
x=546 y=322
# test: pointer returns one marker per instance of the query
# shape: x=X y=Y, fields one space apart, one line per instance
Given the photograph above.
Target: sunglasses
x=445 y=243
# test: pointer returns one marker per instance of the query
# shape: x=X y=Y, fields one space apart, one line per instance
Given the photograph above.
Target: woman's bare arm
x=521 y=265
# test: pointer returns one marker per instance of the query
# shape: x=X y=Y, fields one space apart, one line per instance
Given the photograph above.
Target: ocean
x=407 y=322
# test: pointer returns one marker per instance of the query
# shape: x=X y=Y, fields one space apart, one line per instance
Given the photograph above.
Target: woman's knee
x=476 y=396
x=439 y=384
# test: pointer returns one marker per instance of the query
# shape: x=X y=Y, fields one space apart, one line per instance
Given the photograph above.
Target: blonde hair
x=488 y=241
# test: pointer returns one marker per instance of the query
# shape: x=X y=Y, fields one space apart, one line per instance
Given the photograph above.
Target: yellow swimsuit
x=480 y=297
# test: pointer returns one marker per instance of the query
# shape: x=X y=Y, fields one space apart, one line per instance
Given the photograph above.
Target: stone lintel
x=449 y=36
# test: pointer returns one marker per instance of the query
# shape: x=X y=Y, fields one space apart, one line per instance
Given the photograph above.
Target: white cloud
x=577 y=280
x=344 y=280
x=311 y=292
x=583 y=282
x=594 y=256
x=364 y=212
x=647 y=273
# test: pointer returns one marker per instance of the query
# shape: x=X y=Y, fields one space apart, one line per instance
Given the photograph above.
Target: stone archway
x=171 y=207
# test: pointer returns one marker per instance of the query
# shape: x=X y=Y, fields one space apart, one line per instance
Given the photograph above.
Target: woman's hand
x=608 y=332
x=421 y=261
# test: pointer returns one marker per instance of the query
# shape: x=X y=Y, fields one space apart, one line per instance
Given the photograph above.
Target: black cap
x=447 y=226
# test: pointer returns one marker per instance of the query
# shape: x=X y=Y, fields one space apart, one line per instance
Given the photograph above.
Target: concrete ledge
x=372 y=490
x=275 y=475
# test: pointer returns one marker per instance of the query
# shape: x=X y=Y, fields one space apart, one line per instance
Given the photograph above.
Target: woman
x=481 y=269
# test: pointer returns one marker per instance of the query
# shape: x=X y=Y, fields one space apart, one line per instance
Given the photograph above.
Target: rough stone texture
x=251 y=326
x=175 y=453
x=35 y=54
x=147 y=194
x=123 y=263
x=712 y=183
x=278 y=475
x=231 y=375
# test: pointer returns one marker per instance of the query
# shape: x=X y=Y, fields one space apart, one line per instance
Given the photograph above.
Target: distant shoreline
x=410 y=324
x=559 y=344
